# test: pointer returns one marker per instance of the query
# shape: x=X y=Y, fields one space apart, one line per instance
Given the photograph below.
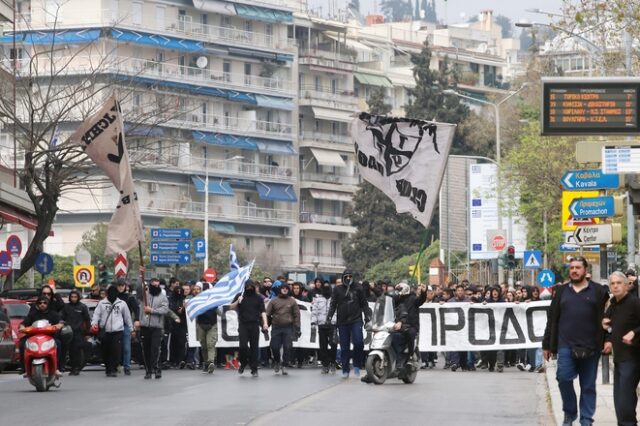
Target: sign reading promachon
x=590 y=106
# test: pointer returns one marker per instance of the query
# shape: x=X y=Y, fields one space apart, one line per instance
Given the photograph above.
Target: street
x=438 y=397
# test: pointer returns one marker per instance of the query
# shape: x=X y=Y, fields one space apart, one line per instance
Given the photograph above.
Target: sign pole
x=142 y=285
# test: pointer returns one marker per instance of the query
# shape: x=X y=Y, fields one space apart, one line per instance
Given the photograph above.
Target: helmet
x=403 y=289
x=66 y=334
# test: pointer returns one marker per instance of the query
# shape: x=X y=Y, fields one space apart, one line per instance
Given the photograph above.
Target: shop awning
x=275 y=147
x=402 y=80
x=216 y=186
x=53 y=37
x=372 y=80
x=184 y=45
x=233 y=95
x=320 y=194
x=325 y=157
x=332 y=115
x=13 y=215
x=223 y=228
x=222 y=139
x=269 y=191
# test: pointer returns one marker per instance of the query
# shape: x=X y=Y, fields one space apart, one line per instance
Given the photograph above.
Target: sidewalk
x=605 y=411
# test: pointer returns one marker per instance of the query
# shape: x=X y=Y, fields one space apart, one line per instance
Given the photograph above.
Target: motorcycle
x=41 y=356
x=382 y=360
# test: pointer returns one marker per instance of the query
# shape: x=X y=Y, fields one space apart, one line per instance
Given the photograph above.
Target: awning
x=372 y=80
x=330 y=195
x=256 y=54
x=216 y=186
x=222 y=139
x=215 y=6
x=233 y=95
x=134 y=129
x=284 y=57
x=223 y=228
x=332 y=115
x=356 y=45
x=53 y=37
x=274 y=102
x=184 y=45
x=328 y=158
x=275 y=147
x=13 y=215
x=402 y=80
x=200 y=90
x=276 y=192
x=263 y=14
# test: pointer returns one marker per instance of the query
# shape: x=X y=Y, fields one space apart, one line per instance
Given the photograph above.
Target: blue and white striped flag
x=221 y=294
x=55 y=139
x=233 y=259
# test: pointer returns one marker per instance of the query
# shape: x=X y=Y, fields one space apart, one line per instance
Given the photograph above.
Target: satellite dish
x=202 y=62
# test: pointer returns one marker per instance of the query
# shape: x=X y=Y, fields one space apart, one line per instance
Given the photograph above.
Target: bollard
x=605 y=369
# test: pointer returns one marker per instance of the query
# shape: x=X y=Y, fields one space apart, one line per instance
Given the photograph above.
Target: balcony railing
x=310 y=258
x=327 y=54
x=190 y=164
x=308 y=217
x=326 y=137
x=329 y=178
x=234 y=213
x=235 y=125
x=342 y=96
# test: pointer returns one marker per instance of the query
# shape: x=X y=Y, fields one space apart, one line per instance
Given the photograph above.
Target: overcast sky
x=454 y=11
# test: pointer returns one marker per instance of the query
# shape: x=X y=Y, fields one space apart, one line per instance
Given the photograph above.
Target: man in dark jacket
x=407 y=325
x=351 y=305
x=207 y=334
x=251 y=318
x=574 y=332
x=76 y=315
x=134 y=310
x=152 y=324
x=284 y=313
x=41 y=311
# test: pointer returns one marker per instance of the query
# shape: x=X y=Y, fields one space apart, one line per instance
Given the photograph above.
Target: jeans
x=626 y=376
x=351 y=334
x=586 y=370
x=151 y=340
x=126 y=348
x=281 y=337
x=249 y=335
x=459 y=359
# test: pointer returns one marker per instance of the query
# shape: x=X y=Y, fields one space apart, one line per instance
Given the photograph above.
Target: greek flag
x=233 y=259
x=55 y=139
x=221 y=294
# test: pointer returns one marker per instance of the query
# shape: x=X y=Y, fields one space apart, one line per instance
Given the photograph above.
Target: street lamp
x=315 y=262
x=496 y=107
x=591 y=46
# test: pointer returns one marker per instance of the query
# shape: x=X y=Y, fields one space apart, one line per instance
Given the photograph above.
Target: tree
x=355 y=5
x=397 y=10
x=377 y=102
x=429 y=7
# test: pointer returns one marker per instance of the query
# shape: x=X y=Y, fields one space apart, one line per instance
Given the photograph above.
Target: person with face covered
x=251 y=317
x=350 y=305
x=76 y=315
x=285 y=320
x=111 y=315
x=151 y=327
x=327 y=344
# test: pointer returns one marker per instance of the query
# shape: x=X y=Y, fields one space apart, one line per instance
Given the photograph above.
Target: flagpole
x=206 y=210
x=144 y=289
x=417 y=267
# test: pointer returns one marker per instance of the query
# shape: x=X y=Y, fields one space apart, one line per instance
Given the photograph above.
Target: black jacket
x=350 y=304
x=209 y=318
x=132 y=303
x=76 y=315
x=550 y=339
x=412 y=304
x=35 y=315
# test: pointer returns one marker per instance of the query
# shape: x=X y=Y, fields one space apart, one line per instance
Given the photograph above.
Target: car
x=24 y=294
x=7 y=344
x=17 y=311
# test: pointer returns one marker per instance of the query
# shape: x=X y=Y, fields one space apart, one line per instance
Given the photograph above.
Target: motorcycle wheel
x=376 y=369
x=39 y=378
x=411 y=377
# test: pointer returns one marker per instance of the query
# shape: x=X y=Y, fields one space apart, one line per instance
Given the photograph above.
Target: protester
x=134 y=309
x=622 y=323
x=251 y=315
x=350 y=304
x=494 y=359
x=458 y=359
x=178 y=342
x=207 y=335
x=111 y=315
x=285 y=321
x=632 y=279
x=151 y=327
x=326 y=329
x=76 y=315
x=574 y=333
x=41 y=311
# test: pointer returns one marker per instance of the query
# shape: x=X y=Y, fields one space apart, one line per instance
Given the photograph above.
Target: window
x=247 y=74
x=248 y=26
x=160 y=11
x=247 y=243
x=225 y=21
x=136 y=13
x=318 y=83
x=317 y=248
x=316 y=127
x=226 y=71
x=53 y=11
x=334 y=86
x=203 y=109
x=268 y=32
x=334 y=249
x=317 y=206
x=335 y=128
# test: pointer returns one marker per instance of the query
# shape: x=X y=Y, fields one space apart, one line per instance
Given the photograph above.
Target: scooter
x=41 y=356
x=382 y=360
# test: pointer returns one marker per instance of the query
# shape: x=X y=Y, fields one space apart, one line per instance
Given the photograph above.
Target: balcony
x=324 y=97
x=226 y=124
x=195 y=210
x=326 y=141
x=326 y=59
x=329 y=178
x=324 y=261
x=309 y=217
x=145 y=158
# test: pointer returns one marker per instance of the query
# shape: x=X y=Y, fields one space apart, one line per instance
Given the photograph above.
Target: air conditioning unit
x=154 y=187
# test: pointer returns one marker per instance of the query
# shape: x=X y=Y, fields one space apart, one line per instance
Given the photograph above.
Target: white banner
x=447 y=327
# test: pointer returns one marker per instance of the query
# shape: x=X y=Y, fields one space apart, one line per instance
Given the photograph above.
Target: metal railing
x=344 y=96
x=329 y=178
x=309 y=258
x=326 y=137
x=309 y=217
x=236 y=125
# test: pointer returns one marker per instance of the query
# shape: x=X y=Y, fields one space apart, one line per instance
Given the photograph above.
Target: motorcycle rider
x=76 y=315
x=41 y=311
x=407 y=324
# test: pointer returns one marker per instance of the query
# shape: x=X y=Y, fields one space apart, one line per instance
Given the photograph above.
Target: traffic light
x=511 y=257
x=104 y=276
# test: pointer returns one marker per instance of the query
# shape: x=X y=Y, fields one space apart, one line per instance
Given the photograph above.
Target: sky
x=461 y=10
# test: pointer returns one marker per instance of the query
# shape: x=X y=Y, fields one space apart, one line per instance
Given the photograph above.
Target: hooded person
x=350 y=306
x=407 y=324
x=151 y=326
x=251 y=318
x=111 y=316
x=327 y=343
x=285 y=321
x=76 y=315
x=275 y=288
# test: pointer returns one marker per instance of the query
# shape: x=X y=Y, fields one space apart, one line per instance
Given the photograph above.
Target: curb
x=555 y=400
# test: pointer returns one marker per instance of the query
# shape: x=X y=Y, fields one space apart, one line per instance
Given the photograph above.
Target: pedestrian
x=151 y=327
x=574 y=332
x=326 y=328
x=134 y=309
x=252 y=318
x=285 y=321
x=350 y=305
x=178 y=342
x=622 y=322
x=494 y=358
x=632 y=279
x=207 y=335
x=458 y=359
x=111 y=316
x=76 y=315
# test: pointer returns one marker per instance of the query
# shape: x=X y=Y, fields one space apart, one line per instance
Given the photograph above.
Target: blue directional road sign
x=171 y=258
x=576 y=180
x=44 y=263
x=532 y=259
x=174 y=246
x=200 y=248
x=585 y=208
x=546 y=278
x=564 y=247
x=171 y=233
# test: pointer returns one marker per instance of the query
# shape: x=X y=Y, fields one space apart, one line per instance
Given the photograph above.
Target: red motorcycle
x=41 y=355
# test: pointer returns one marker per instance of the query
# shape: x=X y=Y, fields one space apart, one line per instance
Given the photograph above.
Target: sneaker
x=158 y=374
x=454 y=367
x=345 y=374
x=147 y=375
x=276 y=367
x=190 y=366
x=500 y=368
x=211 y=367
x=366 y=379
x=205 y=367
x=531 y=368
x=332 y=368
x=182 y=365
x=472 y=368
x=356 y=371
x=491 y=369
x=446 y=366
x=540 y=369
x=127 y=372
x=299 y=364
x=241 y=369
x=520 y=366
x=235 y=364
x=432 y=365
x=325 y=370
x=284 y=372
x=254 y=373
x=568 y=420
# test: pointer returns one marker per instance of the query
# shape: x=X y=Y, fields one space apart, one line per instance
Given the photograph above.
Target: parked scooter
x=382 y=360
x=41 y=356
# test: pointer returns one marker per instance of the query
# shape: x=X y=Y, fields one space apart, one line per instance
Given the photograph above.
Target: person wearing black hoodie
x=251 y=315
x=178 y=342
x=350 y=305
x=76 y=315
